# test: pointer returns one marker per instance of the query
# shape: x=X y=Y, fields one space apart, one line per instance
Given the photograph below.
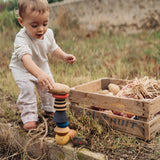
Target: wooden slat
x=90 y=86
x=99 y=84
x=126 y=125
x=137 y=107
x=106 y=81
x=154 y=107
x=154 y=126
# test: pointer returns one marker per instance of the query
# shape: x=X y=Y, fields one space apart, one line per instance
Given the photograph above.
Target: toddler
x=29 y=62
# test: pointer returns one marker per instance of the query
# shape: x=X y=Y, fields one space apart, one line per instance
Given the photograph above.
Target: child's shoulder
x=22 y=36
x=49 y=30
x=22 y=33
x=49 y=33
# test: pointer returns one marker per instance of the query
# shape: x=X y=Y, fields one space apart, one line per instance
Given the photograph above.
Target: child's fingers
x=42 y=87
x=49 y=84
x=46 y=82
x=45 y=85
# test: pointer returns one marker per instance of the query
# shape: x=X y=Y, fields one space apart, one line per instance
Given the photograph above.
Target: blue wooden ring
x=62 y=125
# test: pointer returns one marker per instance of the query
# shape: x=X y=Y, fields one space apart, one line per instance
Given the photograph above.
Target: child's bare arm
x=43 y=78
x=59 y=53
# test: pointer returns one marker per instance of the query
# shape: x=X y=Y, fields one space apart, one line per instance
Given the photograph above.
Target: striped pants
x=27 y=100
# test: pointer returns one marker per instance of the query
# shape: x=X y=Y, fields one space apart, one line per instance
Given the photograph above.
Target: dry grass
x=10 y=149
x=143 y=88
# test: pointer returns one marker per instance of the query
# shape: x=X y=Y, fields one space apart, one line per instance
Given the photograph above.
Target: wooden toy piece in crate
x=146 y=126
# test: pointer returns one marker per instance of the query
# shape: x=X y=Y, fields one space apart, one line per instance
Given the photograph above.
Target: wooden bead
x=60 y=89
x=60 y=101
x=58 y=108
x=59 y=97
x=59 y=105
x=60 y=117
x=62 y=140
x=61 y=130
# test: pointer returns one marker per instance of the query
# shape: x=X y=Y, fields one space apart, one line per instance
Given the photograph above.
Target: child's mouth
x=39 y=35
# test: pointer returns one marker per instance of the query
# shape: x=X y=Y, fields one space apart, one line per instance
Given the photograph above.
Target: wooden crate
x=146 y=126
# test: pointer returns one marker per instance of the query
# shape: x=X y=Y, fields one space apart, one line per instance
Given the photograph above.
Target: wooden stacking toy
x=60 y=92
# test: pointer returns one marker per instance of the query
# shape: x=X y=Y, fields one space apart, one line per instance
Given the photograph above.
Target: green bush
x=9 y=5
x=8 y=20
x=12 y=4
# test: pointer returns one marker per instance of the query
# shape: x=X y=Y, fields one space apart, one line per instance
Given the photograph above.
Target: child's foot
x=30 y=125
x=72 y=133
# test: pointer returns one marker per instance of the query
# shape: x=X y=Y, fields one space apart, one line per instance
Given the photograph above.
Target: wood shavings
x=144 y=88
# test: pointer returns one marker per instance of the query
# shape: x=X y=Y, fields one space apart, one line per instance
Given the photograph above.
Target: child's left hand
x=69 y=58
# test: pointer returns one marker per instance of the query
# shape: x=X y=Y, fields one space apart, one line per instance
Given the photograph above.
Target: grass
x=100 y=137
x=104 y=54
x=119 y=56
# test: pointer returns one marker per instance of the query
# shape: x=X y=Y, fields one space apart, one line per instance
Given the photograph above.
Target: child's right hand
x=45 y=81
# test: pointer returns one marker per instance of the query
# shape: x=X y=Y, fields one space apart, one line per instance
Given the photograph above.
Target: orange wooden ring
x=60 y=96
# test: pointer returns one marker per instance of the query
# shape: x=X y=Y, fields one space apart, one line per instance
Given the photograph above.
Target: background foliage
x=12 y=4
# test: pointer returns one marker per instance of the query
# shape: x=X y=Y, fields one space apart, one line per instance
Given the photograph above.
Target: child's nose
x=40 y=28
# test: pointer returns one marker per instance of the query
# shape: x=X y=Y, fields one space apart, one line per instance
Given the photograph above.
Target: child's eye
x=45 y=24
x=34 y=26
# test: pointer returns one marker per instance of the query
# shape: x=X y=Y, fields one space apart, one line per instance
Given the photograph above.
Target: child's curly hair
x=35 y=5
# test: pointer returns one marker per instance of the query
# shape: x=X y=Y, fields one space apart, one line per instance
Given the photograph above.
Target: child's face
x=35 y=23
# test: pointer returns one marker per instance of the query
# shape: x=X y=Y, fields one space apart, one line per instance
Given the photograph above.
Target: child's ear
x=20 y=20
